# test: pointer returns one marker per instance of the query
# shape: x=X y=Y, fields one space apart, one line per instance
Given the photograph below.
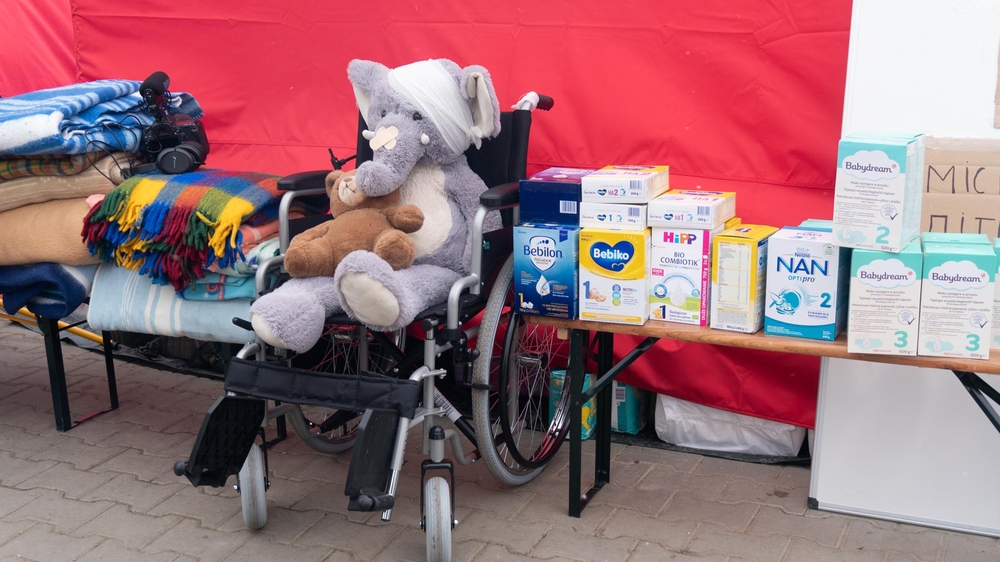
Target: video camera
x=174 y=143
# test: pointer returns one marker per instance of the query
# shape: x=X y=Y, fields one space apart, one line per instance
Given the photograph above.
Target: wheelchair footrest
x=371 y=461
x=227 y=433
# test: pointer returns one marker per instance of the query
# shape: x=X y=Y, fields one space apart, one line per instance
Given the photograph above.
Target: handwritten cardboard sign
x=962 y=186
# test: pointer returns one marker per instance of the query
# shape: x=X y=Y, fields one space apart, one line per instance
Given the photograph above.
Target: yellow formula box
x=614 y=280
x=739 y=266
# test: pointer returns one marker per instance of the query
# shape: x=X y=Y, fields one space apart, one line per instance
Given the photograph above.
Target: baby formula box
x=817 y=223
x=807 y=283
x=625 y=184
x=614 y=285
x=739 y=267
x=957 y=237
x=884 y=314
x=995 y=333
x=552 y=196
x=629 y=408
x=692 y=209
x=545 y=275
x=877 y=199
x=956 y=300
x=680 y=284
x=612 y=216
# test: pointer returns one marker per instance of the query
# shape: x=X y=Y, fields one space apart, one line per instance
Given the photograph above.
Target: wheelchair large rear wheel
x=340 y=350
x=516 y=360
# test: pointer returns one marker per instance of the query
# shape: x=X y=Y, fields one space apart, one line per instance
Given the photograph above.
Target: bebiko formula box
x=545 y=275
x=625 y=184
x=807 y=278
x=739 y=267
x=692 y=209
x=614 y=285
x=613 y=216
x=878 y=192
x=884 y=313
x=956 y=300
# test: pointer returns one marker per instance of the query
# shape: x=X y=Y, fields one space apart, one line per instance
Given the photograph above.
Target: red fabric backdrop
x=744 y=95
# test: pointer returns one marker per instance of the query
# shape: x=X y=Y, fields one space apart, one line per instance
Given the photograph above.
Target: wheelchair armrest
x=503 y=196
x=315 y=179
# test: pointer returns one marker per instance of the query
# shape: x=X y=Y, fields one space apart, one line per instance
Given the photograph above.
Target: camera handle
x=338 y=164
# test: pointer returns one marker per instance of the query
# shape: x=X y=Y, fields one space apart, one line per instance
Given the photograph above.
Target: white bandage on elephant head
x=430 y=87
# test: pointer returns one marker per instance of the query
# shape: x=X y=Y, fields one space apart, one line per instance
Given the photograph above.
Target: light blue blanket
x=123 y=299
x=87 y=117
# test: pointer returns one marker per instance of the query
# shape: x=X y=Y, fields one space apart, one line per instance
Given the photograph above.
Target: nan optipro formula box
x=545 y=274
x=552 y=196
x=613 y=216
x=614 y=286
x=692 y=209
x=807 y=284
x=884 y=313
x=877 y=200
x=625 y=184
x=739 y=268
x=956 y=300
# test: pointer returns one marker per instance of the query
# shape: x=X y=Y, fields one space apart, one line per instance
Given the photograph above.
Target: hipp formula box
x=614 y=286
x=625 y=184
x=679 y=265
x=552 y=196
x=692 y=209
x=739 y=268
x=613 y=216
x=545 y=276
x=807 y=283
x=956 y=300
x=877 y=200
x=884 y=313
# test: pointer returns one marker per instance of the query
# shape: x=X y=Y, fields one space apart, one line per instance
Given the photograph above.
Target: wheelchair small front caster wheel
x=437 y=519
x=252 y=487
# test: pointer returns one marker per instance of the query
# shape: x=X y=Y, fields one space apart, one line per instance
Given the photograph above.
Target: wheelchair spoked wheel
x=340 y=350
x=516 y=359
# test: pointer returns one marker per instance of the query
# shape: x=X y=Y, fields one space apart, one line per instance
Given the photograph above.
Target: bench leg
x=57 y=372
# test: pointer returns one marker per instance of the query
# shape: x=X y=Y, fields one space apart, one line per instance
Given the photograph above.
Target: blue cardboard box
x=545 y=273
x=552 y=196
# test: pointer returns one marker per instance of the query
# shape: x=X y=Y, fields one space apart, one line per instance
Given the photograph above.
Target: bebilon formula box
x=614 y=285
x=692 y=209
x=956 y=300
x=739 y=268
x=680 y=284
x=878 y=192
x=552 y=196
x=625 y=184
x=884 y=313
x=612 y=216
x=807 y=283
x=545 y=274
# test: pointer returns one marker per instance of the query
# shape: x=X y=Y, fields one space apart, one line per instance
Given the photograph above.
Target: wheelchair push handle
x=532 y=101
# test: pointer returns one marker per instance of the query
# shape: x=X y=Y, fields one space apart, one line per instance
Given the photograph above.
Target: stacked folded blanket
x=98 y=177
x=47 y=289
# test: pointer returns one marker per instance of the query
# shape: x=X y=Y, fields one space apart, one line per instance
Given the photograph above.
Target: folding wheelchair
x=365 y=390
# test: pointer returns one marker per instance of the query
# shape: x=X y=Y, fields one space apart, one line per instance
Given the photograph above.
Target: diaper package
x=545 y=274
x=589 y=415
x=552 y=196
x=884 y=313
x=807 y=283
x=739 y=267
x=625 y=184
x=614 y=285
x=692 y=209
x=956 y=299
x=612 y=216
x=680 y=284
x=629 y=408
x=878 y=192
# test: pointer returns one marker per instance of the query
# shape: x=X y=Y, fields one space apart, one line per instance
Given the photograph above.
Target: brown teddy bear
x=377 y=224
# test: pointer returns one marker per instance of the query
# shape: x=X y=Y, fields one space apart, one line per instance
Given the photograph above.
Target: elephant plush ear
x=364 y=76
x=477 y=86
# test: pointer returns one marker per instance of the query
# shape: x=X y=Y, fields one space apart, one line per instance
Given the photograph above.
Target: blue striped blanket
x=101 y=115
x=49 y=289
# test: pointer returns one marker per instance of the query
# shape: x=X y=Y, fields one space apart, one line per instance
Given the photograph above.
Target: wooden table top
x=783 y=344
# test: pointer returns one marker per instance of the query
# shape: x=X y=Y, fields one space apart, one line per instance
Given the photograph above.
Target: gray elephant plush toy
x=421 y=118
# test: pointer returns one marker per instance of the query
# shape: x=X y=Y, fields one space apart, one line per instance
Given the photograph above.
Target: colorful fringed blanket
x=170 y=227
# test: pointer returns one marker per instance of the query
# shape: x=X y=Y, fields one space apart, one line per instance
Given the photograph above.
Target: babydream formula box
x=614 y=282
x=545 y=277
x=884 y=314
x=956 y=299
x=612 y=216
x=692 y=209
x=625 y=184
x=878 y=193
x=739 y=267
x=552 y=196
x=807 y=283
x=680 y=261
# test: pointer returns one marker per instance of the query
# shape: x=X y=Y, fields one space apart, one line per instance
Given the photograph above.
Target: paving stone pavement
x=105 y=491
